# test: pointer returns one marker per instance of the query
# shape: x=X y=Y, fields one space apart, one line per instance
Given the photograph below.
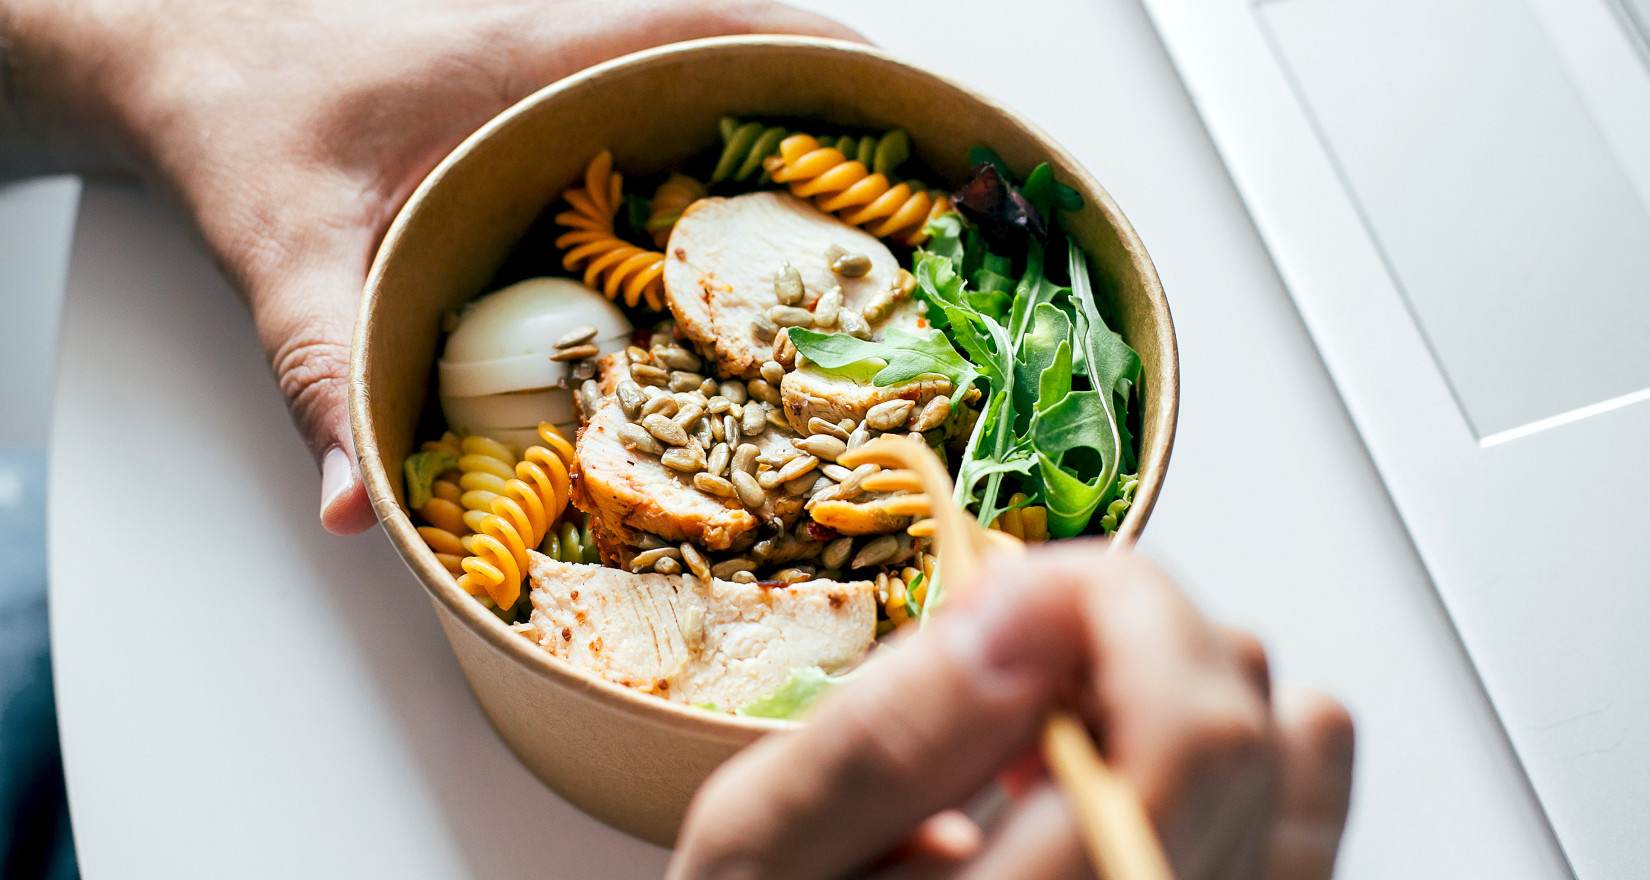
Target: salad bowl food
x=612 y=347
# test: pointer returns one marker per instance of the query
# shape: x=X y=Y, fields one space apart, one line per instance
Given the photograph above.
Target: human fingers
x=1182 y=711
x=1316 y=745
x=305 y=318
x=929 y=724
x=921 y=729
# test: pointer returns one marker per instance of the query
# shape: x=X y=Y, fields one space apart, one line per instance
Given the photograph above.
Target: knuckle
x=312 y=374
x=1236 y=734
x=1329 y=729
x=887 y=745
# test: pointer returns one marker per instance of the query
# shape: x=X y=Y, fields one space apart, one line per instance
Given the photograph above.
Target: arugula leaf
x=791 y=699
x=905 y=356
x=1042 y=347
x=421 y=469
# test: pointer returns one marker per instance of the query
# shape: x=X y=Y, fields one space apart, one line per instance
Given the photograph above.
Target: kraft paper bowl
x=632 y=760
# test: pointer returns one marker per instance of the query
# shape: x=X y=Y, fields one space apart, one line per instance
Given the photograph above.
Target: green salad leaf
x=905 y=356
x=421 y=469
x=806 y=685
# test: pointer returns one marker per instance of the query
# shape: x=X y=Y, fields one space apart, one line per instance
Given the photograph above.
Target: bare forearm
x=57 y=65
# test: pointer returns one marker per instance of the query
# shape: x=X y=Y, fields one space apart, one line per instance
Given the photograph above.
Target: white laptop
x=1457 y=194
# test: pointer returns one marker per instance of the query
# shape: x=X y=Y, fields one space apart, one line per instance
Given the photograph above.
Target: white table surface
x=242 y=695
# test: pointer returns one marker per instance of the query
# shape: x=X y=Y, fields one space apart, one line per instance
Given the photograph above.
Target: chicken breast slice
x=631 y=492
x=808 y=392
x=692 y=641
x=723 y=256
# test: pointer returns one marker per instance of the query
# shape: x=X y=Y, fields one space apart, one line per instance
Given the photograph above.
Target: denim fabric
x=35 y=840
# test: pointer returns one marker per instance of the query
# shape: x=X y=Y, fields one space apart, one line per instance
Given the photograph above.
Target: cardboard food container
x=629 y=759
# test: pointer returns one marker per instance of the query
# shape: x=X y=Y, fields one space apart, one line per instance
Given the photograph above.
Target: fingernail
x=336 y=477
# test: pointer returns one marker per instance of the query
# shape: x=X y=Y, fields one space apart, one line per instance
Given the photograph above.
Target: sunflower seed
x=688 y=459
x=835 y=471
x=937 y=411
x=793 y=576
x=636 y=437
x=889 y=414
x=717 y=404
x=825 y=446
x=665 y=430
x=630 y=398
x=577 y=336
x=773 y=372
x=755 y=420
x=717 y=431
x=790 y=316
x=646 y=559
x=730 y=430
x=676 y=357
x=787 y=285
x=876 y=551
x=768 y=479
x=648 y=541
x=837 y=552
x=817 y=425
x=763 y=327
x=801 y=485
x=703 y=434
x=667 y=565
x=717 y=461
x=851 y=265
x=729 y=567
x=711 y=484
x=688 y=415
x=590 y=397
x=825 y=311
x=853 y=324
x=576 y=353
x=743 y=577
x=696 y=563
x=682 y=380
x=860 y=436
x=850 y=486
x=750 y=491
x=763 y=549
x=638 y=355
x=796 y=467
x=663 y=405
x=734 y=391
x=784 y=351
x=777 y=419
x=584 y=369
x=647 y=374
x=763 y=391
x=904 y=283
x=744 y=458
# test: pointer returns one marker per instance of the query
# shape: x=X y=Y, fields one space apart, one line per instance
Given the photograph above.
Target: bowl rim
x=443 y=588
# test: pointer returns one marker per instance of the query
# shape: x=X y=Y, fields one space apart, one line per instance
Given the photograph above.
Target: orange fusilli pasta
x=611 y=264
x=845 y=187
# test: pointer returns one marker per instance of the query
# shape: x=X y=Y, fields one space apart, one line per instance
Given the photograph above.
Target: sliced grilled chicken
x=725 y=253
x=630 y=492
x=692 y=641
x=809 y=392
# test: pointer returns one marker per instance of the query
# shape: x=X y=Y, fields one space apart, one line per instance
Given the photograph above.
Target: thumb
x=306 y=326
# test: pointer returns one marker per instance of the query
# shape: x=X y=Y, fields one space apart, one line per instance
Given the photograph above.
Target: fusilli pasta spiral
x=610 y=263
x=744 y=146
x=880 y=153
x=669 y=201
x=509 y=505
x=446 y=530
x=845 y=187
